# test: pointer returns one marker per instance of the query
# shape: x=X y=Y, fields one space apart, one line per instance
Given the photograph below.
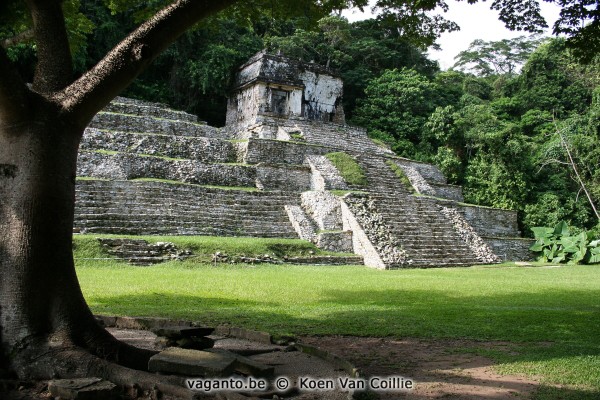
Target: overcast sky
x=476 y=21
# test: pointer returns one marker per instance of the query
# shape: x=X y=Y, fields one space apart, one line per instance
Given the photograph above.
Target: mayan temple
x=145 y=169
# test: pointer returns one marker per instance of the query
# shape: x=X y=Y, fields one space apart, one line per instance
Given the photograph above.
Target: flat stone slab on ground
x=82 y=389
x=245 y=347
x=214 y=362
x=245 y=365
x=179 y=332
x=192 y=362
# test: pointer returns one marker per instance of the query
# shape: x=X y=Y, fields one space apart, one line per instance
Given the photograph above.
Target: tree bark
x=55 y=66
x=42 y=308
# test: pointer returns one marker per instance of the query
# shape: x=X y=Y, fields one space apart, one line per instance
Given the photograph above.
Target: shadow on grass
x=545 y=392
x=569 y=317
x=550 y=349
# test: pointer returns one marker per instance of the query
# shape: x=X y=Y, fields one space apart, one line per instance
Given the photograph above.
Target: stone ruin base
x=234 y=352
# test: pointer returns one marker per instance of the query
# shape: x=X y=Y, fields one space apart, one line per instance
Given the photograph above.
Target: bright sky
x=476 y=21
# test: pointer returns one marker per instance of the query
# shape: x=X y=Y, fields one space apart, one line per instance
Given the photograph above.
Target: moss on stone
x=401 y=175
x=348 y=168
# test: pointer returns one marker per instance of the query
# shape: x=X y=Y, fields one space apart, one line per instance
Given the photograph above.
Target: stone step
x=134 y=195
x=263 y=221
x=148 y=109
x=142 y=208
x=182 y=231
x=326 y=260
x=436 y=264
x=148 y=124
x=225 y=196
x=204 y=149
x=167 y=200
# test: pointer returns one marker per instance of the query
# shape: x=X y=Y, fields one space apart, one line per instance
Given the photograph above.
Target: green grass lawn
x=552 y=315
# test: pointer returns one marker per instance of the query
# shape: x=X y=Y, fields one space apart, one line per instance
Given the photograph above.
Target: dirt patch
x=441 y=369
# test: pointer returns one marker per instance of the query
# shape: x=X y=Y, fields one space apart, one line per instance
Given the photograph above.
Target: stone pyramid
x=145 y=169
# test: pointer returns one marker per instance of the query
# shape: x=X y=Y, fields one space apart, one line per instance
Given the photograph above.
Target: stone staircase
x=203 y=149
x=428 y=238
x=128 y=115
x=159 y=208
x=380 y=176
x=341 y=137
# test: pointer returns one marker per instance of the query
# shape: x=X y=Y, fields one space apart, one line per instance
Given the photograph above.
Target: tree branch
x=90 y=93
x=574 y=167
x=54 y=69
x=13 y=92
x=18 y=38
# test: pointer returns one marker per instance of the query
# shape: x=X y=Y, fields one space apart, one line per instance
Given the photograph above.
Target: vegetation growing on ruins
x=348 y=168
x=87 y=248
x=401 y=175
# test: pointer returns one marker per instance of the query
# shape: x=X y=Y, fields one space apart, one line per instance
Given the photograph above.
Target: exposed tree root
x=45 y=361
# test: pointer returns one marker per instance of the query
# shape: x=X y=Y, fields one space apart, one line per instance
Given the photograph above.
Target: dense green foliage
x=528 y=142
x=496 y=57
x=560 y=245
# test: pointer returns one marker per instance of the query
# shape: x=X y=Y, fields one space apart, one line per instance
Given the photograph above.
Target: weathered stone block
x=245 y=365
x=335 y=241
x=178 y=332
x=324 y=207
x=192 y=362
x=83 y=389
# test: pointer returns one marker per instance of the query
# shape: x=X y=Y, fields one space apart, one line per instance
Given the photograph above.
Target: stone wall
x=142 y=123
x=324 y=208
x=491 y=222
x=123 y=105
x=511 y=249
x=324 y=175
x=283 y=177
x=305 y=227
x=450 y=192
x=417 y=181
x=279 y=152
x=125 y=166
x=194 y=148
x=429 y=172
x=322 y=94
x=360 y=240
x=340 y=242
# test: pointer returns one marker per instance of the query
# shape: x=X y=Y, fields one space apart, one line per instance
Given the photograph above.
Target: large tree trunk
x=42 y=309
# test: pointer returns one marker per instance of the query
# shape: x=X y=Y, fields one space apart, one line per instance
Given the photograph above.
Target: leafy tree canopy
x=496 y=57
